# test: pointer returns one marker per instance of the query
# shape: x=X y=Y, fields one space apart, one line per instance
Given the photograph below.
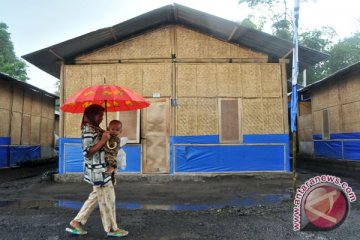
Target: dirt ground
x=226 y=207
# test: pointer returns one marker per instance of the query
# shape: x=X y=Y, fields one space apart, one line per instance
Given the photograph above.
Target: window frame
x=239 y=139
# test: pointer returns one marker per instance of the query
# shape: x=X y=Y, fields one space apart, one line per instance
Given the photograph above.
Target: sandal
x=76 y=230
x=118 y=233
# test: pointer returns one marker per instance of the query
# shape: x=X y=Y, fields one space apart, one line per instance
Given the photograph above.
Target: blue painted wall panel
x=328 y=149
x=354 y=135
x=4 y=156
x=4 y=151
x=352 y=150
x=208 y=139
x=344 y=146
x=71 y=158
x=23 y=153
x=62 y=142
x=225 y=158
x=271 y=138
x=133 y=158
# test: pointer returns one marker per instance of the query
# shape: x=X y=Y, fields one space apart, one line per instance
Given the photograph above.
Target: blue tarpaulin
x=4 y=151
x=204 y=154
x=271 y=138
x=263 y=153
x=71 y=159
x=229 y=158
x=209 y=139
x=63 y=143
x=23 y=153
x=328 y=149
x=133 y=158
x=345 y=146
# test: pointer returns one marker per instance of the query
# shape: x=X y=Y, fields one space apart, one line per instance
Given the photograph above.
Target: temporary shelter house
x=329 y=122
x=27 y=122
x=217 y=91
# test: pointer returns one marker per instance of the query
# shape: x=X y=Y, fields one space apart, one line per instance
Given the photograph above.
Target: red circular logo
x=326 y=206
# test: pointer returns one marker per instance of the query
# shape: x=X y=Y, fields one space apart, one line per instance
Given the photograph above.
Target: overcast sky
x=37 y=24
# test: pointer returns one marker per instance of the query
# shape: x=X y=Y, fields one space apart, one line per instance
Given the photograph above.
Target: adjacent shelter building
x=27 y=122
x=329 y=121
x=218 y=91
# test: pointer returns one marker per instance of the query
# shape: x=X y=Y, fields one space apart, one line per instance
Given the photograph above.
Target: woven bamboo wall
x=47 y=125
x=319 y=100
x=25 y=115
x=5 y=119
x=46 y=132
x=15 y=129
x=270 y=76
x=27 y=102
x=207 y=116
x=35 y=129
x=227 y=80
x=342 y=100
x=251 y=81
x=273 y=115
x=349 y=88
x=191 y=44
x=350 y=117
x=130 y=75
x=196 y=116
x=252 y=117
x=333 y=94
x=334 y=119
x=258 y=84
x=154 y=44
x=318 y=118
x=5 y=101
x=145 y=79
x=156 y=79
x=196 y=86
x=75 y=78
x=305 y=127
x=17 y=100
x=304 y=108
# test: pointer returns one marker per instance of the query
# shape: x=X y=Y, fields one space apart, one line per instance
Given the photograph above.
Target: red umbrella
x=113 y=98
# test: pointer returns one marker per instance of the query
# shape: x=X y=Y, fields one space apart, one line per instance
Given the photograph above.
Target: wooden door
x=155 y=136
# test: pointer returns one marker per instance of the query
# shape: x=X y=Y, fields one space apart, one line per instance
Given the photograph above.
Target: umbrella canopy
x=113 y=98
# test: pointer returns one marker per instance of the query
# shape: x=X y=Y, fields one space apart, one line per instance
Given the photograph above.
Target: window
x=229 y=127
x=131 y=125
x=326 y=130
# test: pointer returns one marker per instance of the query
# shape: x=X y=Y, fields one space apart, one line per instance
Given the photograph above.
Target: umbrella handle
x=106 y=115
x=105 y=109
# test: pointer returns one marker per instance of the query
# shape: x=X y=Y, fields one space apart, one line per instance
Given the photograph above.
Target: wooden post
x=294 y=164
x=62 y=100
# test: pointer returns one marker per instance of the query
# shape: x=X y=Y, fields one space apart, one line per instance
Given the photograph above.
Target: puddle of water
x=235 y=202
x=28 y=203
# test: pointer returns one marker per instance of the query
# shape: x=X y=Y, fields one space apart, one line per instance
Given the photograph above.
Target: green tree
x=321 y=40
x=250 y=22
x=9 y=63
x=276 y=12
x=344 y=53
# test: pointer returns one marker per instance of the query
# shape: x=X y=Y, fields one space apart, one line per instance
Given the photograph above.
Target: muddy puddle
x=234 y=202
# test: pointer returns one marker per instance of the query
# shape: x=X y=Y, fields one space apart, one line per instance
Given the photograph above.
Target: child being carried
x=112 y=147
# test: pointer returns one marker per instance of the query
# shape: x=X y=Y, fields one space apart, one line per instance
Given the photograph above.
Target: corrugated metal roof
x=335 y=76
x=6 y=77
x=48 y=58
